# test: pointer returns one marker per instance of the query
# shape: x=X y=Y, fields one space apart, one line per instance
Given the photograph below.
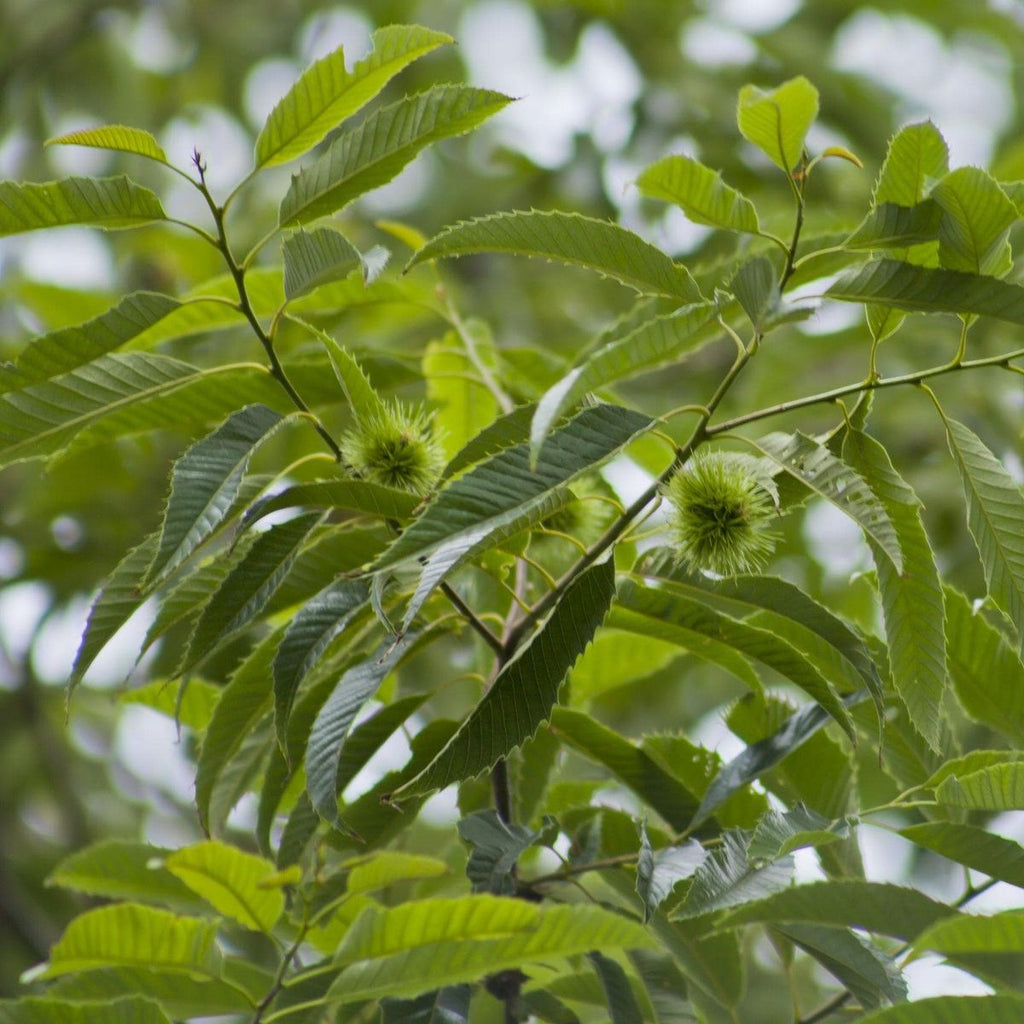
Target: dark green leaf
x=495 y=848
x=448 y=1005
x=316 y=257
x=973 y=847
x=348 y=495
x=622 y=1005
x=658 y=871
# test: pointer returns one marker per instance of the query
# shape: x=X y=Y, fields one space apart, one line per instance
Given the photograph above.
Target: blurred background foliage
x=607 y=86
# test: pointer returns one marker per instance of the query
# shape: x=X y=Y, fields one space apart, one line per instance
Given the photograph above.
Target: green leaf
x=762 y=645
x=67 y=349
x=926 y=290
x=883 y=321
x=995 y=511
x=132 y=935
x=506 y=431
x=188 y=702
x=127 y=1010
x=108 y=203
x=912 y=601
x=622 y=1005
x=973 y=847
x=415 y=947
x=495 y=848
x=229 y=880
x=998 y=1009
x=986 y=673
x=652 y=344
x=777 y=121
x=813 y=465
x=970 y=763
x=119 y=869
x=366 y=404
x=332 y=725
x=598 y=245
x=782 y=832
x=526 y=689
x=999 y=787
x=205 y=482
x=326 y=93
x=659 y=871
x=976 y=217
x=889 y=226
x=371 y=154
x=117 y=137
x=616 y=658
x=448 y=1005
x=249 y=586
x=867 y=972
x=875 y=907
x=726 y=878
x=975 y=933
x=700 y=193
x=316 y=257
x=916 y=159
x=634 y=767
x=344 y=494
x=307 y=637
x=386 y=867
x=756 y=287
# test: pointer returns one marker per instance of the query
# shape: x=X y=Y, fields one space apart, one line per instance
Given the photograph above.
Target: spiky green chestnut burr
x=396 y=447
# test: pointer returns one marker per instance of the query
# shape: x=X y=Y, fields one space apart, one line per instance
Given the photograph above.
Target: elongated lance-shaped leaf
x=249 y=586
x=502 y=489
x=313 y=258
x=916 y=159
x=762 y=645
x=700 y=193
x=813 y=465
x=976 y=216
x=997 y=787
x=928 y=290
x=658 y=872
x=506 y=431
x=912 y=601
x=623 y=1007
x=132 y=935
x=366 y=404
x=598 y=245
x=103 y=202
x=66 y=349
x=326 y=93
x=655 y=342
x=205 y=482
x=120 y=595
x=308 y=634
x=231 y=881
x=777 y=122
x=973 y=847
x=332 y=725
x=526 y=689
x=889 y=226
x=726 y=878
x=986 y=672
x=995 y=512
x=128 y=1009
x=371 y=154
x=347 y=495
x=117 y=137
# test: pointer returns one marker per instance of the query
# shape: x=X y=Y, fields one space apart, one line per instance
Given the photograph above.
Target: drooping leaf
x=912 y=600
x=129 y=1009
x=726 y=878
x=976 y=217
x=230 y=881
x=344 y=494
x=606 y=248
x=526 y=689
x=889 y=226
x=67 y=349
x=829 y=477
x=116 y=137
x=917 y=158
x=249 y=586
x=986 y=673
x=700 y=193
x=865 y=970
x=928 y=290
x=651 y=344
x=316 y=257
x=327 y=93
x=973 y=847
x=495 y=846
x=415 y=947
x=133 y=935
x=371 y=154
x=109 y=203
x=623 y=1007
x=876 y=907
x=998 y=787
x=659 y=871
x=995 y=511
x=777 y=121
x=997 y=1009
x=205 y=482
x=308 y=634
x=332 y=725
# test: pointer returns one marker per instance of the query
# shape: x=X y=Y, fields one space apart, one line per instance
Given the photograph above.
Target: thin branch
x=470 y=616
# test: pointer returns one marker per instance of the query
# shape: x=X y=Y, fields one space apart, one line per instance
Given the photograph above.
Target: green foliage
x=386 y=547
